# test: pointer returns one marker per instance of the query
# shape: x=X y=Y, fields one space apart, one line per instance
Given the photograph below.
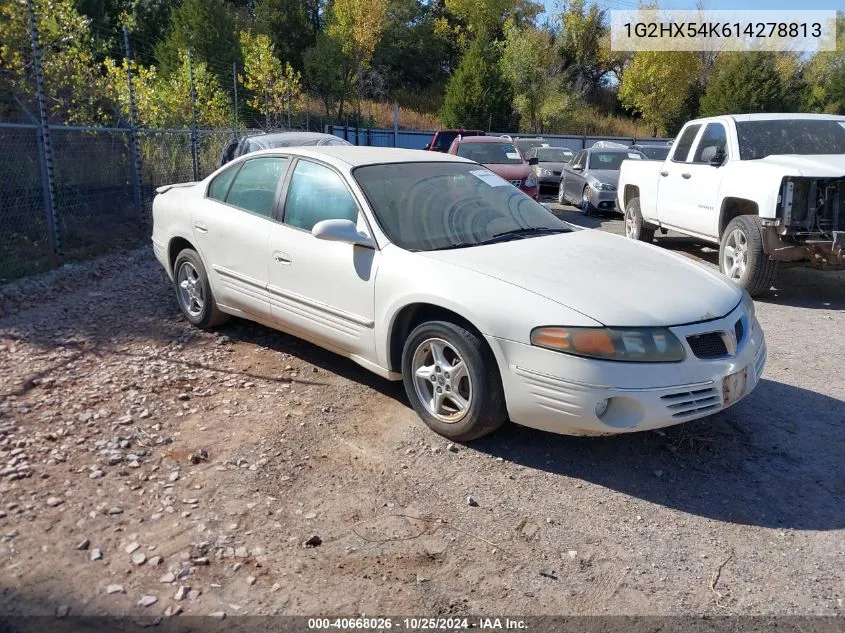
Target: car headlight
x=604 y=186
x=643 y=345
x=531 y=181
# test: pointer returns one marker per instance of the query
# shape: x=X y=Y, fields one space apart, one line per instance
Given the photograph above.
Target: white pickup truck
x=766 y=187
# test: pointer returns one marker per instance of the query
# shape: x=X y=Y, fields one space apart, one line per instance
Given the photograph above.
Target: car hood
x=509 y=172
x=820 y=165
x=608 y=176
x=608 y=278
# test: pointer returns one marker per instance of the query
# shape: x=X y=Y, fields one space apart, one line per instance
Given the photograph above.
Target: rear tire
x=452 y=380
x=741 y=255
x=635 y=226
x=193 y=291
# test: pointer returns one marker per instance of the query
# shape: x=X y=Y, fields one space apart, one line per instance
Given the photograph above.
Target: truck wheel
x=635 y=226
x=741 y=256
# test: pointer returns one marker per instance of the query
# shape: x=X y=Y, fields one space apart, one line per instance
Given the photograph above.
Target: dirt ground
x=150 y=468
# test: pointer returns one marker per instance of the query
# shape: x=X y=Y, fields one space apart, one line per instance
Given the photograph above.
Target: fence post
x=194 y=158
x=235 y=85
x=45 y=146
x=369 y=137
x=134 y=150
x=395 y=122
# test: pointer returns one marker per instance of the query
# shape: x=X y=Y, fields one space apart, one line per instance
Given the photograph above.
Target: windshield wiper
x=525 y=232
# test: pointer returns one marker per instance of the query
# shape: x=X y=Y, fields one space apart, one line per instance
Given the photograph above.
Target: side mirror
x=342 y=231
x=427 y=146
x=714 y=155
x=577 y=168
x=534 y=161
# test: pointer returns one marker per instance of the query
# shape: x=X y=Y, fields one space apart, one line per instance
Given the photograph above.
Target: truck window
x=714 y=136
x=684 y=144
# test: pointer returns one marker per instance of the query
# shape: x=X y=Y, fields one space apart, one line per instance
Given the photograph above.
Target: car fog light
x=601 y=407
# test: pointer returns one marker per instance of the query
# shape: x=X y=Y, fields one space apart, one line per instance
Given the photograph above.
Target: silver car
x=589 y=179
x=550 y=163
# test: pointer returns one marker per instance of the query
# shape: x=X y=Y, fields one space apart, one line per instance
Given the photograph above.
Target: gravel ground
x=150 y=468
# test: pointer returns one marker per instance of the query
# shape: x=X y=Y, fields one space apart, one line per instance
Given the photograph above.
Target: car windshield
x=530 y=143
x=758 y=139
x=498 y=153
x=655 y=152
x=431 y=205
x=611 y=161
x=554 y=155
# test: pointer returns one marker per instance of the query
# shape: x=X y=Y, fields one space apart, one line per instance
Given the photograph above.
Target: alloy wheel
x=441 y=380
x=735 y=257
x=191 y=294
x=631 y=229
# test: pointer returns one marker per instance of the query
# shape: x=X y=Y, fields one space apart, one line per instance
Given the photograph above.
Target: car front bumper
x=604 y=199
x=558 y=392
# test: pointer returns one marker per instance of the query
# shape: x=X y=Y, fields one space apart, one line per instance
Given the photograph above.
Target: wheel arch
x=177 y=245
x=733 y=207
x=410 y=316
x=629 y=193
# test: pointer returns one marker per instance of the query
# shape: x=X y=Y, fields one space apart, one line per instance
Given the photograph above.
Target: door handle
x=664 y=173
x=686 y=175
x=282 y=258
x=201 y=227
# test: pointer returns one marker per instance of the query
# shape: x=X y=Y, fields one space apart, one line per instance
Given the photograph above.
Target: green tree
x=326 y=72
x=206 y=28
x=73 y=85
x=477 y=92
x=657 y=83
x=274 y=87
x=530 y=65
x=824 y=76
x=746 y=82
x=289 y=25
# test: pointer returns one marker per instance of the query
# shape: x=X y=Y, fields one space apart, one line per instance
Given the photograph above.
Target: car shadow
x=773 y=460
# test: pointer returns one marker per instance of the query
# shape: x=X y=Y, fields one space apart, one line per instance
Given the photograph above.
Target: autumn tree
x=531 y=67
x=824 y=76
x=274 y=86
x=656 y=83
x=68 y=61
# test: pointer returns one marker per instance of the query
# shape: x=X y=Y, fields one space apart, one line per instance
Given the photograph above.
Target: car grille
x=709 y=345
x=516 y=183
x=695 y=401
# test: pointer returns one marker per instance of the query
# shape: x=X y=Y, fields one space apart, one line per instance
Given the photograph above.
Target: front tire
x=635 y=226
x=741 y=255
x=586 y=205
x=453 y=381
x=561 y=198
x=193 y=291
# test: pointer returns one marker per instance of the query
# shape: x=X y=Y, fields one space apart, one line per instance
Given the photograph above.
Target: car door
x=575 y=178
x=673 y=194
x=322 y=290
x=701 y=214
x=232 y=226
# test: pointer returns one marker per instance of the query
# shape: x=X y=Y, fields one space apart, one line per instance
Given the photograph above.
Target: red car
x=500 y=156
x=443 y=138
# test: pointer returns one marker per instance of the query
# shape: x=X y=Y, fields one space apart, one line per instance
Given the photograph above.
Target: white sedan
x=429 y=268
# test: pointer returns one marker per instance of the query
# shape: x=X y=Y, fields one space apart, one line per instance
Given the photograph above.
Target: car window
x=219 y=187
x=444 y=140
x=317 y=193
x=684 y=144
x=611 y=161
x=254 y=187
x=490 y=153
x=579 y=159
x=714 y=136
x=552 y=155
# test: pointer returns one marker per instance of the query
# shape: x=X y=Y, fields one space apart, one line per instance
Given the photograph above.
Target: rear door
x=673 y=190
x=232 y=226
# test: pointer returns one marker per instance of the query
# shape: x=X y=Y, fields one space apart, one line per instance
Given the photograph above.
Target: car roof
x=485 y=139
x=610 y=150
x=289 y=137
x=356 y=156
x=776 y=116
